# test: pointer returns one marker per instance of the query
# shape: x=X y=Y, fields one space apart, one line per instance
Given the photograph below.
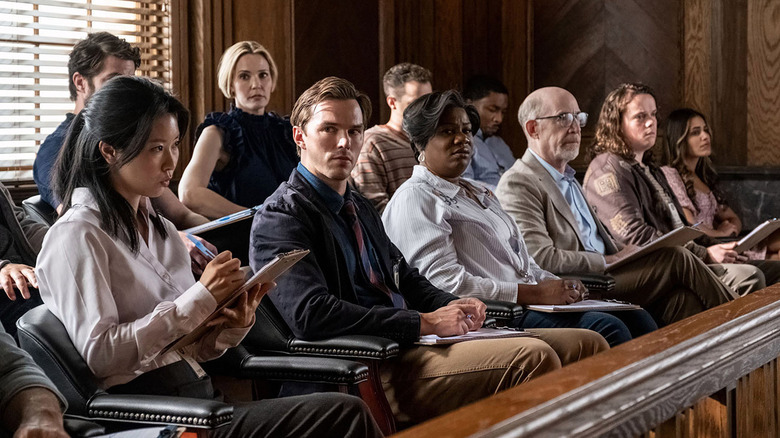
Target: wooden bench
x=713 y=374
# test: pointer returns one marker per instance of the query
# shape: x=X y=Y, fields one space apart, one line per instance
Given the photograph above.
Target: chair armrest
x=156 y=409
x=83 y=428
x=352 y=346
x=238 y=362
x=502 y=310
x=596 y=283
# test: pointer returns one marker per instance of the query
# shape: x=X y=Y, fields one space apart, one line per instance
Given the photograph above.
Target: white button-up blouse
x=121 y=309
x=468 y=248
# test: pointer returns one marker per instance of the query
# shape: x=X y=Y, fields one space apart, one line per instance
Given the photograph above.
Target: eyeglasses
x=565 y=119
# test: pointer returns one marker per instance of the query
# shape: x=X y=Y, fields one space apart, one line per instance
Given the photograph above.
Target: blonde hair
x=226 y=70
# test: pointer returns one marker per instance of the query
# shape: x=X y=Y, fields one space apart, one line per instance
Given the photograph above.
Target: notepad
x=677 y=237
x=758 y=234
x=276 y=267
x=224 y=220
x=585 y=306
x=483 y=333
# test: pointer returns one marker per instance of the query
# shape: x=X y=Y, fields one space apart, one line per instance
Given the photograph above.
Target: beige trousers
x=673 y=284
x=427 y=381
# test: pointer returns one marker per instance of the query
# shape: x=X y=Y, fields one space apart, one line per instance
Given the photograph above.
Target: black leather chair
x=43 y=336
x=39 y=210
x=502 y=312
x=271 y=335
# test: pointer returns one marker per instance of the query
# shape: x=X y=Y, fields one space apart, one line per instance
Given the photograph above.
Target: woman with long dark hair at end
x=693 y=179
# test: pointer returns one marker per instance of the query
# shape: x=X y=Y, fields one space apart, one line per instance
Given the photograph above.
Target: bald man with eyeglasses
x=564 y=235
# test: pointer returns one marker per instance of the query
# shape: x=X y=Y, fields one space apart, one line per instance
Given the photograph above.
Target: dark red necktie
x=376 y=278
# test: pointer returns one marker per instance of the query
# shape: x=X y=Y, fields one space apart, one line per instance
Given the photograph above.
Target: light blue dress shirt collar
x=572 y=193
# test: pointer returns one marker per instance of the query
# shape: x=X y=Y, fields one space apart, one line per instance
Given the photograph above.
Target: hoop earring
x=421 y=157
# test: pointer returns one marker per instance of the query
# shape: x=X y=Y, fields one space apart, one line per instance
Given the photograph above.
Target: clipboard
x=276 y=267
x=585 y=306
x=677 y=237
x=758 y=234
x=482 y=333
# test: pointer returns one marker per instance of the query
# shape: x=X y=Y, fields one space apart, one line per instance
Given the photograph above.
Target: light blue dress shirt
x=492 y=157
x=572 y=192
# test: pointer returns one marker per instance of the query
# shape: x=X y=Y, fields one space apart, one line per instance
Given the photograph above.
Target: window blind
x=36 y=38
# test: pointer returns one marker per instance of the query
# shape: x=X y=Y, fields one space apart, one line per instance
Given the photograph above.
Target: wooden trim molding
x=633 y=387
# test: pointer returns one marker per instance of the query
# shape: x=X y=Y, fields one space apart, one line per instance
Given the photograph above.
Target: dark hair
x=399 y=74
x=609 y=137
x=88 y=55
x=480 y=86
x=330 y=88
x=422 y=116
x=677 y=128
x=120 y=114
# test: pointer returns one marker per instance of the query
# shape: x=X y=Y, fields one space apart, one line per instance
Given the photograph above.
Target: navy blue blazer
x=317 y=296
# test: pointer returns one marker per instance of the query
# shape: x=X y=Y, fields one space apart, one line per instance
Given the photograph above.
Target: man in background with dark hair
x=492 y=157
x=93 y=61
x=388 y=157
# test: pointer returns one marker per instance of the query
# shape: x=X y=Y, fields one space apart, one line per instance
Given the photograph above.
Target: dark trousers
x=615 y=327
x=315 y=415
x=10 y=311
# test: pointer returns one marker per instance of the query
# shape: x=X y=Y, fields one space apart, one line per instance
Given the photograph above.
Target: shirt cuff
x=507 y=292
x=196 y=304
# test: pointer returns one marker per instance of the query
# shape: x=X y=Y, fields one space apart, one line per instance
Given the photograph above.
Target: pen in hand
x=201 y=247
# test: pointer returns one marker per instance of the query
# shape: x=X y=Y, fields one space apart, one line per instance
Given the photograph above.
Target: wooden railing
x=713 y=374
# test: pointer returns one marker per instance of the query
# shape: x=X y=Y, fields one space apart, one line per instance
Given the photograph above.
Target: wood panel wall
x=457 y=39
x=720 y=57
x=589 y=47
x=763 y=81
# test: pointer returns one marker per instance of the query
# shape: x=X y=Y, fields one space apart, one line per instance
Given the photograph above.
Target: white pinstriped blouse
x=466 y=247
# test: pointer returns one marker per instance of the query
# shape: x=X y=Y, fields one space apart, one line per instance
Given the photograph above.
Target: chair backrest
x=233 y=237
x=270 y=332
x=43 y=336
x=39 y=210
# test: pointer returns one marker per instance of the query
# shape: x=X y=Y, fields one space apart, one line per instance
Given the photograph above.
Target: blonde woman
x=241 y=156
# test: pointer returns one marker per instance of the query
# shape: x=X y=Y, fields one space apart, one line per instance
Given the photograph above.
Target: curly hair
x=609 y=137
x=677 y=127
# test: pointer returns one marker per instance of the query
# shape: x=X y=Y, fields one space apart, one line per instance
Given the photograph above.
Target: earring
x=421 y=157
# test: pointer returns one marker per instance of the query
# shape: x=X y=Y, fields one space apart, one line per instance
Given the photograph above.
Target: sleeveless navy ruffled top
x=262 y=155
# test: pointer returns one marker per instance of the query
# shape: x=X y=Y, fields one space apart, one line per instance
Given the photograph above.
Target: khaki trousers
x=426 y=381
x=673 y=284
x=770 y=268
x=741 y=278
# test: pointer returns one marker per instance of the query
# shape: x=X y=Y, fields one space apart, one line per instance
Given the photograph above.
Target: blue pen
x=201 y=247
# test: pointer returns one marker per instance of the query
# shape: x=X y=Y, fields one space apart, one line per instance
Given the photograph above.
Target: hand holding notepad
x=268 y=273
